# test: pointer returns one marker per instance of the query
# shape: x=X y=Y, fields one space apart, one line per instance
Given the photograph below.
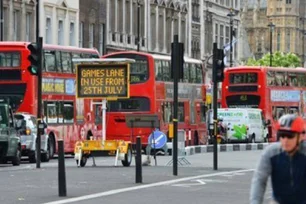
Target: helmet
x=290 y=123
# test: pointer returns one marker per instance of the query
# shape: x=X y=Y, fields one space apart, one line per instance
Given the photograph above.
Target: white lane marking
x=116 y=191
x=199 y=182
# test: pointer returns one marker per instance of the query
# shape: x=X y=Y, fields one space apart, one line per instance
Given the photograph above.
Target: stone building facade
x=159 y=21
x=92 y=27
x=288 y=16
x=19 y=20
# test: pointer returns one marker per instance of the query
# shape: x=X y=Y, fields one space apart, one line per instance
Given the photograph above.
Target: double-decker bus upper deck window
x=9 y=59
x=139 y=70
x=58 y=61
x=301 y=78
x=199 y=79
x=243 y=78
x=75 y=56
x=158 y=70
x=66 y=62
x=166 y=70
x=193 y=73
x=49 y=61
x=127 y=105
x=89 y=55
x=186 y=73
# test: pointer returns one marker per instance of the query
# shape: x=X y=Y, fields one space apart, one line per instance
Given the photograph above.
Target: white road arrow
x=157 y=139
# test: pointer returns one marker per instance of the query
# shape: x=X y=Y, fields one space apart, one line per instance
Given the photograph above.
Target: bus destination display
x=103 y=81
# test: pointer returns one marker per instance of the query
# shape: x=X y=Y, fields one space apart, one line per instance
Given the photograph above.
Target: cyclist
x=285 y=163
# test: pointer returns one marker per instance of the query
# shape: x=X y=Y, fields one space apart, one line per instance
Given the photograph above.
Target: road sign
x=103 y=80
x=160 y=139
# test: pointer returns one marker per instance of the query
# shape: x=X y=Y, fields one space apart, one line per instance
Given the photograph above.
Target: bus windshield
x=9 y=59
x=139 y=71
x=243 y=78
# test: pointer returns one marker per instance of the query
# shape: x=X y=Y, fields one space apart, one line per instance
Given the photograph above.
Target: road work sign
x=103 y=80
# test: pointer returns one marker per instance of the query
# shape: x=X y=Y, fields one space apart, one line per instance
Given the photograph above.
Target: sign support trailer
x=106 y=79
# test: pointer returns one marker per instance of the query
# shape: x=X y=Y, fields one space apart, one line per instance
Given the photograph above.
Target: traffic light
x=33 y=58
x=177 y=54
x=219 y=66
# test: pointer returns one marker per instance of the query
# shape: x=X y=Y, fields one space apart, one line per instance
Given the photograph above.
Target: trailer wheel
x=127 y=157
x=83 y=161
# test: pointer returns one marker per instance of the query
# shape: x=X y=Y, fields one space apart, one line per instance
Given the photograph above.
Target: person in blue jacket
x=285 y=163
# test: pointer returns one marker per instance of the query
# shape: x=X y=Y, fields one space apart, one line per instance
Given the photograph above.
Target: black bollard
x=62 y=191
x=138 y=160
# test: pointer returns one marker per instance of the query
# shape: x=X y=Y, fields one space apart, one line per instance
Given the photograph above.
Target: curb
x=190 y=150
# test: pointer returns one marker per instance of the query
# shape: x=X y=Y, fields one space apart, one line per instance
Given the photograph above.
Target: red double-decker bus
x=151 y=92
x=66 y=116
x=276 y=91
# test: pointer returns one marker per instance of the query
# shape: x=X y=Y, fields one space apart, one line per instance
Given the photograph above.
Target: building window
x=227 y=34
x=278 y=40
x=28 y=27
x=60 y=32
x=288 y=1
x=91 y=35
x=101 y=39
x=195 y=11
x=288 y=41
x=48 y=30
x=216 y=33
x=221 y=36
x=16 y=22
x=81 y=31
x=72 y=33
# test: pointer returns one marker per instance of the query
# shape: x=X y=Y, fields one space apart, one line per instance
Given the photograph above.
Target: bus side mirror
x=268 y=122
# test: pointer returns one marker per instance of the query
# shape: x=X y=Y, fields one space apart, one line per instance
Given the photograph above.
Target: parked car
x=10 y=148
x=26 y=126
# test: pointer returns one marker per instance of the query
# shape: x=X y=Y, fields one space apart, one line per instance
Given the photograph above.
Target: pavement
x=106 y=183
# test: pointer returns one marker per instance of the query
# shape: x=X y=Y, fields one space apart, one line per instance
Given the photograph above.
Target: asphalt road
x=105 y=183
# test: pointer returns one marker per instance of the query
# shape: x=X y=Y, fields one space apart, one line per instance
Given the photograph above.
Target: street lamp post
x=231 y=14
x=138 y=25
x=271 y=26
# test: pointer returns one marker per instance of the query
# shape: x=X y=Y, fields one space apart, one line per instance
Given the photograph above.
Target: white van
x=242 y=124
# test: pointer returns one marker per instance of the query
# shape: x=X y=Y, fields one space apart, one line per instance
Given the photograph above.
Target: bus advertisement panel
x=66 y=116
x=277 y=91
x=151 y=92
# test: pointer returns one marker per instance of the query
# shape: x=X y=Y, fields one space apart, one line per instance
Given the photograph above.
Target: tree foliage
x=279 y=59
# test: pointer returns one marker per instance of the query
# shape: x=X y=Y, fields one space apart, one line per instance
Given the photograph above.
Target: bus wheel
x=83 y=161
x=127 y=157
x=51 y=146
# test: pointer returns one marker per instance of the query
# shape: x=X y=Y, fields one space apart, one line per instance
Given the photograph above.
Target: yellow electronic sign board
x=103 y=80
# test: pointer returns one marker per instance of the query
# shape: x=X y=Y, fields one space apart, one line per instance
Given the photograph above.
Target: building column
x=124 y=22
x=131 y=20
x=189 y=29
x=107 y=27
x=179 y=26
x=23 y=22
x=202 y=31
x=157 y=28
x=10 y=10
x=54 y=22
x=165 y=32
x=147 y=21
x=116 y=22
